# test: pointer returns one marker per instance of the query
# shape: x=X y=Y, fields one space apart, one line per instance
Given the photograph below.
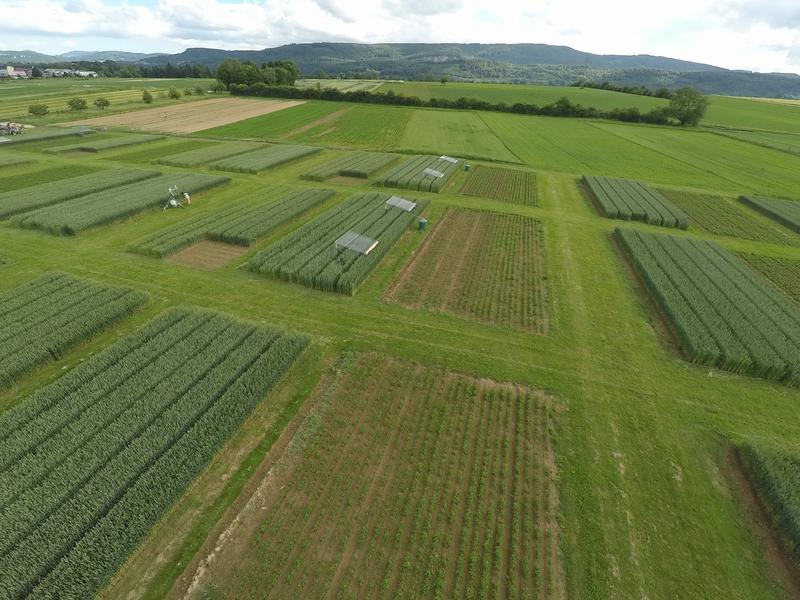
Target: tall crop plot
x=785 y=212
x=724 y=314
x=201 y=156
x=73 y=216
x=632 y=200
x=107 y=144
x=263 y=158
x=53 y=192
x=242 y=222
x=357 y=164
x=411 y=174
x=722 y=217
x=783 y=272
x=43 y=319
x=91 y=462
x=479 y=265
x=506 y=185
x=308 y=255
x=406 y=481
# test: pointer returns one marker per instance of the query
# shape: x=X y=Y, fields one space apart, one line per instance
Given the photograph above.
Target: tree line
x=277 y=72
x=638 y=90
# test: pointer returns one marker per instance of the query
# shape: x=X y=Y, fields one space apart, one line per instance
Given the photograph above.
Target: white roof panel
x=449 y=159
x=401 y=203
x=433 y=173
x=356 y=242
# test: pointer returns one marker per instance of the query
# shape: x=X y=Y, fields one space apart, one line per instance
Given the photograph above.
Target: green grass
x=274 y=125
x=364 y=126
x=753 y=113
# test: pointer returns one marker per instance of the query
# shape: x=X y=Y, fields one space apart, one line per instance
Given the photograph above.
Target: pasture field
x=506 y=185
x=262 y=159
x=423 y=173
x=785 y=212
x=469 y=478
x=629 y=200
x=479 y=265
x=783 y=272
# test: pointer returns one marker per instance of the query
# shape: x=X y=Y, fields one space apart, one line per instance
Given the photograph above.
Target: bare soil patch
x=207 y=255
x=191 y=116
x=321 y=121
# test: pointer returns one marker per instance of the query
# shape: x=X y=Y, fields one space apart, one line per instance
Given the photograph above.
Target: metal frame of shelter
x=355 y=242
x=401 y=203
x=432 y=173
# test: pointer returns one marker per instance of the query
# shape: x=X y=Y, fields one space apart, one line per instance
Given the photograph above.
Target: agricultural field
x=633 y=201
x=482 y=266
x=785 y=212
x=364 y=127
x=505 y=185
x=309 y=256
x=45 y=318
x=424 y=173
x=343 y=85
x=413 y=457
x=357 y=164
x=38 y=134
x=157 y=150
x=43 y=174
x=7 y=160
x=84 y=480
x=785 y=142
x=207 y=154
x=106 y=144
x=722 y=312
x=783 y=272
x=241 y=223
x=262 y=159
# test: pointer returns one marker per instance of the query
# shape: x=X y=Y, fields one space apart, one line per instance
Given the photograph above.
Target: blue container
x=422 y=224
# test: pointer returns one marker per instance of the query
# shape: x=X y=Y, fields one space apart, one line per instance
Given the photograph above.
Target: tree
x=38 y=110
x=199 y=90
x=77 y=104
x=187 y=91
x=229 y=71
x=444 y=80
x=174 y=94
x=218 y=87
x=147 y=97
x=688 y=106
x=102 y=102
x=37 y=73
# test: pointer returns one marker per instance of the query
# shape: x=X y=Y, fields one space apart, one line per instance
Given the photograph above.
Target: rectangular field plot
x=785 y=212
x=405 y=481
x=53 y=192
x=73 y=216
x=424 y=173
x=43 y=319
x=91 y=462
x=264 y=158
x=783 y=272
x=107 y=144
x=9 y=160
x=506 y=185
x=479 y=265
x=38 y=134
x=241 y=222
x=202 y=156
x=632 y=200
x=43 y=175
x=724 y=314
x=310 y=255
x=357 y=164
x=719 y=216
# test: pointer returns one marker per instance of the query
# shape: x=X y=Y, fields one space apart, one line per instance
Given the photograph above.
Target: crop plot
x=240 y=223
x=207 y=255
x=202 y=156
x=483 y=266
x=358 y=164
x=424 y=173
x=506 y=185
x=9 y=160
x=310 y=255
x=264 y=158
x=53 y=192
x=785 y=212
x=91 y=462
x=366 y=127
x=43 y=175
x=45 y=318
x=39 y=134
x=632 y=200
x=783 y=272
x=107 y=144
x=725 y=315
x=404 y=481
x=719 y=216
x=73 y=216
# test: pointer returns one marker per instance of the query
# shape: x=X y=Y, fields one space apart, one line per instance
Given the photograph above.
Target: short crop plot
x=725 y=315
x=9 y=160
x=53 y=192
x=39 y=134
x=264 y=158
x=424 y=173
x=202 y=156
x=783 y=272
x=45 y=318
x=632 y=200
x=358 y=164
x=241 y=222
x=312 y=256
x=404 y=482
x=506 y=185
x=207 y=255
x=479 y=265
x=719 y=216
x=785 y=212
x=73 y=216
x=107 y=144
x=91 y=462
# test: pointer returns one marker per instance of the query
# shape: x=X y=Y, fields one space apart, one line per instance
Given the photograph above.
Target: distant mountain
x=116 y=56
x=25 y=57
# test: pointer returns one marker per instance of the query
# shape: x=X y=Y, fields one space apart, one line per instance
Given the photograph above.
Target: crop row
x=107 y=144
x=357 y=164
x=53 y=192
x=632 y=200
x=43 y=133
x=785 y=212
x=7 y=160
x=72 y=216
x=93 y=461
x=308 y=256
x=201 y=156
x=411 y=173
x=43 y=319
x=240 y=223
x=506 y=185
x=263 y=158
x=724 y=314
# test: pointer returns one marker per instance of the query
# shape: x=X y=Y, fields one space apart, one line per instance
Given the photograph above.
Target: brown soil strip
x=782 y=567
x=190 y=117
x=321 y=121
x=207 y=255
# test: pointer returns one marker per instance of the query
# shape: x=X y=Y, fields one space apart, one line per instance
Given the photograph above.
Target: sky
x=756 y=35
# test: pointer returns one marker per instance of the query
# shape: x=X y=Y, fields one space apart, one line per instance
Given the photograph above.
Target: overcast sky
x=759 y=35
